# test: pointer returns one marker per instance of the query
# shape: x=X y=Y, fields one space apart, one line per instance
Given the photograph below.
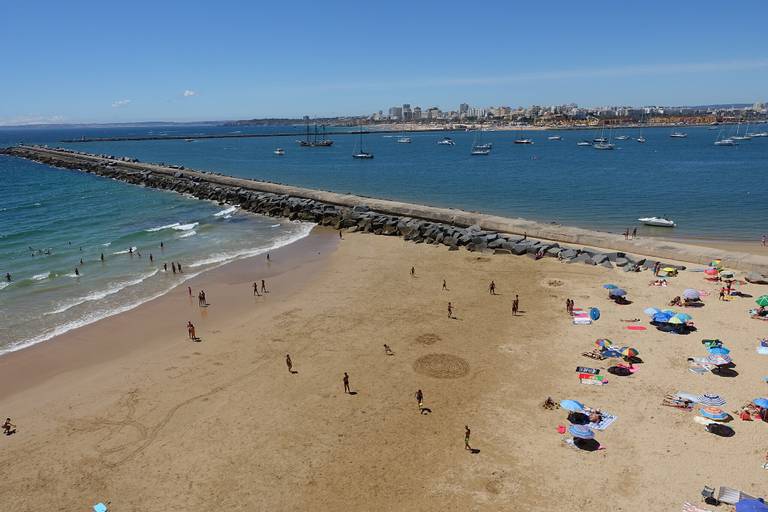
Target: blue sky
x=84 y=61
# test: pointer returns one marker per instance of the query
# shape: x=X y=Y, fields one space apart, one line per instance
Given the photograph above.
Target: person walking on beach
x=267 y=256
x=256 y=289
x=445 y=286
x=413 y=271
x=467 y=433
x=191 y=330
x=263 y=287
x=289 y=363
x=722 y=294
x=762 y=240
x=515 y=305
x=346 y=383
x=419 y=398
x=634 y=233
x=492 y=288
x=340 y=237
x=450 y=310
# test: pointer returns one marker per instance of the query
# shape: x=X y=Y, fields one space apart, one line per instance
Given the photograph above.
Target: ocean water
x=711 y=192
x=50 y=219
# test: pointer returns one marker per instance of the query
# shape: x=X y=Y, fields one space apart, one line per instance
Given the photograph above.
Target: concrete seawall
x=420 y=223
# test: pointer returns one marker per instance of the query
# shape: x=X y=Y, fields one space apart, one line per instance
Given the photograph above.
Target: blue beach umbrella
x=761 y=402
x=572 y=406
x=617 y=292
x=609 y=286
x=651 y=311
x=719 y=351
x=581 y=431
x=685 y=317
x=594 y=314
x=751 y=505
x=661 y=318
x=691 y=294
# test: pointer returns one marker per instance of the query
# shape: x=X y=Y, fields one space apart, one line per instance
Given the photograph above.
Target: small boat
x=758 y=134
x=189 y=140
x=657 y=221
x=523 y=141
x=584 y=143
x=279 y=151
x=446 y=141
x=622 y=137
x=600 y=140
x=725 y=142
x=487 y=145
x=478 y=148
x=477 y=151
x=678 y=135
x=641 y=140
x=741 y=137
x=603 y=146
x=316 y=141
x=554 y=137
x=362 y=154
x=404 y=140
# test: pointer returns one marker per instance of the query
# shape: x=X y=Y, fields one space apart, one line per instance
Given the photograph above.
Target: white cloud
x=187 y=93
x=120 y=103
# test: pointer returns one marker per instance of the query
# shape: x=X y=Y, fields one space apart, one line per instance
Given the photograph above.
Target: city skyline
x=98 y=63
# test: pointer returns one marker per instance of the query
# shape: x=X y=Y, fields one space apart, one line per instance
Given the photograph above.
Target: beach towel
x=603 y=424
x=582 y=321
x=636 y=328
x=594 y=380
x=690 y=507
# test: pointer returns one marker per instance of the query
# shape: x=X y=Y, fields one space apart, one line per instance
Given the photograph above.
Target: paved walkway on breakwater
x=649 y=247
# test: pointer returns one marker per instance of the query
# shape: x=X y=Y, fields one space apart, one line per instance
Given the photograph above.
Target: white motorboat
x=741 y=137
x=658 y=222
x=584 y=143
x=603 y=145
x=554 y=137
x=758 y=134
x=523 y=141
x=641 y=140
x=600 y=140
x=678 y=135
x=404 y=140
x=279 y=151
x=622 y=137
x=478 y=151
x=446 y=141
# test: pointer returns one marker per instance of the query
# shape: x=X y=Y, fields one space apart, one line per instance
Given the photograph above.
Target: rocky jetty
x=280 y=201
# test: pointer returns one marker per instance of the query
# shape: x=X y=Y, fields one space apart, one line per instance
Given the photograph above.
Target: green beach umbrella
x=762 y=301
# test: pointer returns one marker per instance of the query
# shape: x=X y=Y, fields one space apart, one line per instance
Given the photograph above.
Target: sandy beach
x=129 y=410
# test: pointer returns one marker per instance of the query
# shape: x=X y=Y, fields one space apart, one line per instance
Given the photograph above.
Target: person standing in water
x=173 y=267
x=162 y=246
x=102 y=256
x=151 y=258
x=8 y=276
x=165 y=267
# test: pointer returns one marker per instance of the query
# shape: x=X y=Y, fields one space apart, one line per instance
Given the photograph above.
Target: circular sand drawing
x=554 y=283
x=428 y=339
x=441 y=366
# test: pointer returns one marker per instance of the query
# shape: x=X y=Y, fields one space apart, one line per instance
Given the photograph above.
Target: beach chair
x=732 y=496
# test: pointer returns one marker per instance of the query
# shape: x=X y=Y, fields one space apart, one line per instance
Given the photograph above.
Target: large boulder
x=569 y=254
x=756 y=278
x=519 y=249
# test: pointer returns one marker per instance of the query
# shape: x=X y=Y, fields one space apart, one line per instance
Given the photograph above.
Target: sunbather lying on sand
x=677 y=301
x=658 y=282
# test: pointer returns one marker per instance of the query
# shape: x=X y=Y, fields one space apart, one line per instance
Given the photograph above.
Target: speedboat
x=480 y=151
x=725 y=142
x=641 y=140
x=446 y=141
x=363 y=155
x=523 y=141
x=584 y=143
x=404 y=140
x=603 y=145
x=758 y=134
x=678 y=135
x=622 y=137
x=279 y=151
x=657 y=221
x=554 y=137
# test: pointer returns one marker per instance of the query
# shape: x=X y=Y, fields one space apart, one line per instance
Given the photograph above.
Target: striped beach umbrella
x=581 y=431
x=713 y=413
x=710 y=400
x=572 y=406
x=691 y=294
x=762 y=300
x=718 y=359
x=603 y=343
x=629 y=352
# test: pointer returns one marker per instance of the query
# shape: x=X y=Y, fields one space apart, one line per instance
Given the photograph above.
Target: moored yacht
x=657 y=221
x=584 y=143
x=554 y=137
x=678 y=135
x=446 y=141
x=404 y=140
x=279 y=152
x=640 y=139
x=603 y=145
x=523 y=141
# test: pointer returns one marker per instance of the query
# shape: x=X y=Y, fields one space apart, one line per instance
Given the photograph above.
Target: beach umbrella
x=710 y=400
x=715 y=263
x=572 y=406
x=719 y=351
x=651 y=311
x=761 y=402
x=669 y=269
x=718 y=359
x=661 y=318
x=617 y=292
x=603 y=343
x=685 y=317
x=727 y=274
x=629 y=352
x=751 y=505
x=594 y=314
x=675 y=320
x=711 y=271
x=691 y=294
x=609 y=286
x=713 y=413
x=581 y=431
x=762 y=300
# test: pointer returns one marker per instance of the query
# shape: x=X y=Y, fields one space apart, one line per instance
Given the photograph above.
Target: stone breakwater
x=417 y=223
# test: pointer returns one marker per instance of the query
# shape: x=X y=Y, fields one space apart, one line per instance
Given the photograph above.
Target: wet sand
x=157 y=422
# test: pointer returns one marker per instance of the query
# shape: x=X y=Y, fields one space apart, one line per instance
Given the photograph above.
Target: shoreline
x=448 y=226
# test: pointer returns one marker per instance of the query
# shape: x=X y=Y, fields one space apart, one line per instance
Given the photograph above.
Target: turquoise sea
x=711 y=192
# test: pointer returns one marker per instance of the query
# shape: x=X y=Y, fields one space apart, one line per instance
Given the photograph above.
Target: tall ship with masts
x=317 y=139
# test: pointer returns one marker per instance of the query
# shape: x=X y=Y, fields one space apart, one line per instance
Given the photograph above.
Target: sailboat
x=678 y=135
x=480 y=149
x=403 y=139
x=740 y=137
x=602 y=143
x=523 y=140
x=724 y=141
x=315 y=142
x=362 y=154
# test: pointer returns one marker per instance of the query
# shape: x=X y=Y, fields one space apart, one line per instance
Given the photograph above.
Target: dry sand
x=129 y=410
